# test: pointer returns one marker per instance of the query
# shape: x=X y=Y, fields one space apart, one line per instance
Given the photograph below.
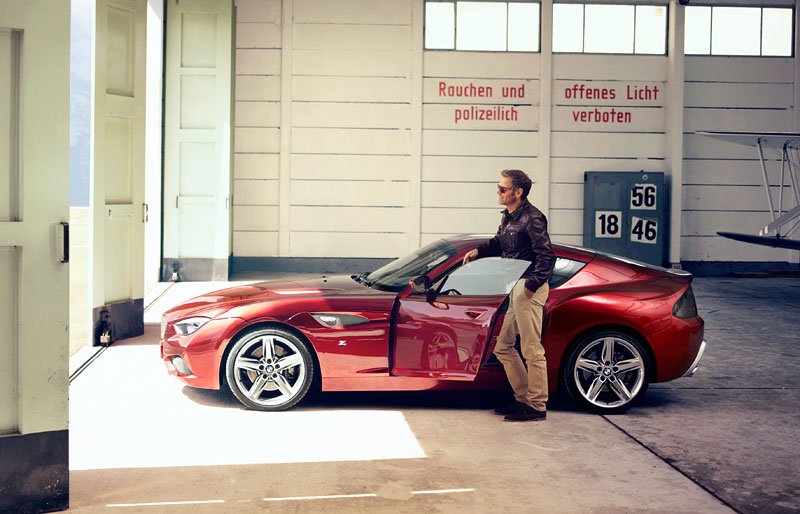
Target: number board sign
x=644 y=197
x=644 y=230
x=625 y=214
x=607 y=224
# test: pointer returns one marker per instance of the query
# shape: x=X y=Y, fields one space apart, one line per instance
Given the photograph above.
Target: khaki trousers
x=524 y=317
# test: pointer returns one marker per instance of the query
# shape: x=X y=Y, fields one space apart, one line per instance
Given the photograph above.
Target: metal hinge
x=145 y=213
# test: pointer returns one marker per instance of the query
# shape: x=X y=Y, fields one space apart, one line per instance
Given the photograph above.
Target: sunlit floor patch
x=126 y=412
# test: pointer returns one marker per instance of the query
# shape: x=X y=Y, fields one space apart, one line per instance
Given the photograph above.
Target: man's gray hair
x=519 y=179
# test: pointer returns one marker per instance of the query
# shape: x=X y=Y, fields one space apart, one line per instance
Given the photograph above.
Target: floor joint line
x=668 y=463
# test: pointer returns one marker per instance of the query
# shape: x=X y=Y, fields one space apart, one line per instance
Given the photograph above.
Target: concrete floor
x=723 y=440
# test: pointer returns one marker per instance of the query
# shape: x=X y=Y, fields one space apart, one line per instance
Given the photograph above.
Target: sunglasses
x=502 y=189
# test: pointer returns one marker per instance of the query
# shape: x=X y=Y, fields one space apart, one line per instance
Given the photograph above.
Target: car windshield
x=396 y=275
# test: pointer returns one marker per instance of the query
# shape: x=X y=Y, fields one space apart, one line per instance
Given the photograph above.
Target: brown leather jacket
x=523 y=235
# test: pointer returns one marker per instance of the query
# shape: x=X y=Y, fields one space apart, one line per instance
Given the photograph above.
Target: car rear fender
x=652 y=371
x=270 y=324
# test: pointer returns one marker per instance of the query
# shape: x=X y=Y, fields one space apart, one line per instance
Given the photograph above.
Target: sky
x=80 y=101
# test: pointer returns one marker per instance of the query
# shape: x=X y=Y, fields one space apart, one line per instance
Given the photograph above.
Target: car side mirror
x=421 y=284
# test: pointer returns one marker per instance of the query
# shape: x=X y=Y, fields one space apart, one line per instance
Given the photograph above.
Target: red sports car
x=426 y=322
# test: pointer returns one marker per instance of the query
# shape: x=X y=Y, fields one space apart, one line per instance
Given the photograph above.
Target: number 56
x=643 y=196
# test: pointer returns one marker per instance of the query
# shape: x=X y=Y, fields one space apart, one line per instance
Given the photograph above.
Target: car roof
x=465 y=242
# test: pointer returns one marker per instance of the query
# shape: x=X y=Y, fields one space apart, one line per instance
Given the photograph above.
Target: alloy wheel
x=609 y=372
x=269 y=370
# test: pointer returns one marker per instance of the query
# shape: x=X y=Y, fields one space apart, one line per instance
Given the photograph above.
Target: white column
x=285 y=177
x=415 y=174
x=796 y=108
x=153 y=119
x=674 y=128
x=542 y=193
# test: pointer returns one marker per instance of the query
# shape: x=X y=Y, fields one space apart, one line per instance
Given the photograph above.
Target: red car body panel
x=444 y=337
x=414 y=342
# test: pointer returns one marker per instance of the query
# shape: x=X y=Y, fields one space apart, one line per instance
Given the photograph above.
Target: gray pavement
x=723 y=440
x=733 y=427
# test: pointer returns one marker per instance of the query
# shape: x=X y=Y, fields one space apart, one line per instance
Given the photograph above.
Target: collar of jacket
x=518 y=212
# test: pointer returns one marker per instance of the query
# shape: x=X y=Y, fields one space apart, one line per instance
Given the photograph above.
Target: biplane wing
x=785 y=222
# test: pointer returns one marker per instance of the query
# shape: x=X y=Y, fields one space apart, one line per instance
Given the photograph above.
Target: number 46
x=644 y=231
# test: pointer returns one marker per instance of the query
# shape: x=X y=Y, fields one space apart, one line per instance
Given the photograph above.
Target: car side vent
x=338 y=320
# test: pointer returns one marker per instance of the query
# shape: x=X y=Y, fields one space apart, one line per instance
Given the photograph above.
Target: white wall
x=371 y=161
x=635 y=143
x=257 y=121
x=350 y=135
x=461 y=159
x=722 y=182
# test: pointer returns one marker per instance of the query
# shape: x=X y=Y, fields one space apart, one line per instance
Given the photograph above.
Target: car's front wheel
x=607 y=371
x=269 y=369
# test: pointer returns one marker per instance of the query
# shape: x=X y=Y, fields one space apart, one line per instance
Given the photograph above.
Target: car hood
x=218 y=302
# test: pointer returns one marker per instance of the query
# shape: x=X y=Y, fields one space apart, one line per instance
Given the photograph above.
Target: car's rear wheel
x=269 y=369
x=607 y=371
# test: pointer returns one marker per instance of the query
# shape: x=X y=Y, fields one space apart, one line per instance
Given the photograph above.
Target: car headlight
x=188 y=326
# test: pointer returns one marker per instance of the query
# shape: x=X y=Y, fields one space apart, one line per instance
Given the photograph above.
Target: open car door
x=444 y=332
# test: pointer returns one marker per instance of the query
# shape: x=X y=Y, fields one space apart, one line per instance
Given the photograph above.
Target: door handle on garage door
x=475 y=313
x=64 y=237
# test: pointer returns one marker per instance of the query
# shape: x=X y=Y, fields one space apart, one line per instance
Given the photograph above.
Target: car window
x=564 y=270
x=396 y=275
x=484 y=277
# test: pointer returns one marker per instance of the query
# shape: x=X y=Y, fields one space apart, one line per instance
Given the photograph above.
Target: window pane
x=735 y=30
x=697 y=38
x=440 y=28
x=776 y=32
x=491 y=276
x=523 y=27
x=651 y=29
x=567 y=28
x=609 y=29
x=564 y=270
x=481 y=26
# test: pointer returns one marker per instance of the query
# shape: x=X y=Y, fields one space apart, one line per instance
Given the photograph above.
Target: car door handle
x=475 y=313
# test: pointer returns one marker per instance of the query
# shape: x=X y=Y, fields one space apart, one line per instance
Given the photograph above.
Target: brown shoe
x=527 y=413
x=511 y=408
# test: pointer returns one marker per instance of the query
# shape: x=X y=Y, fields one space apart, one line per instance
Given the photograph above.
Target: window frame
x=441 y=282
x=455 y=26
x=555 y=280
x=760 y=31
x=634 y=53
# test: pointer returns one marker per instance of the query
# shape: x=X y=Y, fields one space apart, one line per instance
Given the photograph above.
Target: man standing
x=522 y=235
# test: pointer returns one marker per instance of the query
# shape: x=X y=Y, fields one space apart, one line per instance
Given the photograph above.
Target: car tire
x=269 y=369
x=607 y=371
